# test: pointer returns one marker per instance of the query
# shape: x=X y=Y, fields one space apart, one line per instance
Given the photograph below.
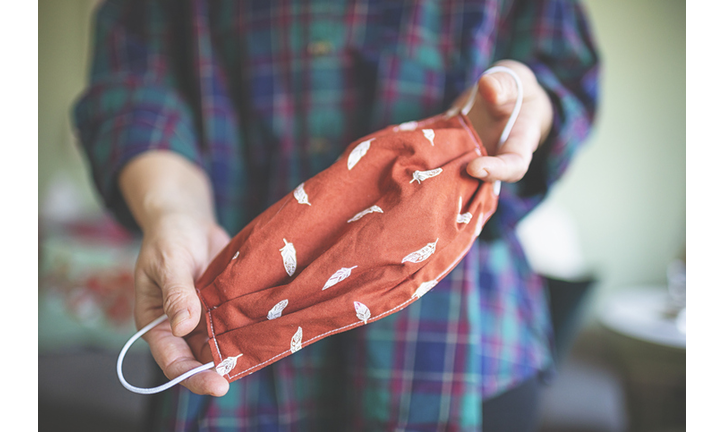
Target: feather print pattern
x=301 y=195
x=338 y=276
x=465 y=217
x=276 y=311
x=357 y=153
x=289 y=255
x=227 y=365
x=424 y=175
x=296 y=344
x=407 y=126
x=363 y=312
x=422 y=254
x=424 y=288
x=358 y=216
x=430 y=135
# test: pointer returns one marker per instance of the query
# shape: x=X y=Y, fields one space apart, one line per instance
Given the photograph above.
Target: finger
x=499 y=91
x=175 y=358
x=180 y=301
x=164 y=284
x=513 y=158
x=148 y=299
x=218 y=239
x=506 y=167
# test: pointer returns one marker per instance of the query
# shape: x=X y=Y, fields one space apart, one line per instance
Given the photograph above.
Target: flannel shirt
x=265 y=94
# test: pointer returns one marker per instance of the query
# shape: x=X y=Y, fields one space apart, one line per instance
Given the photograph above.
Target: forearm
x=161 y=183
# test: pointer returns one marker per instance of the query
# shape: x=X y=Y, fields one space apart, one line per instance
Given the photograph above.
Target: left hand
x=493 y=105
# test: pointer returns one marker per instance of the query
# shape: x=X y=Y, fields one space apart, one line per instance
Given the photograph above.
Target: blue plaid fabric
x=265 y=94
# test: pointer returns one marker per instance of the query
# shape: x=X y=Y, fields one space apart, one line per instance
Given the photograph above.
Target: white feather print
x=407 y=126
x=296 y=344
x=289 y=255
x=301 y=195
x=424 y=288
x=430 y=135
x=227 y=365
x=424 y=175
x=357 y=153
x=276 y=311
x=338 y=276
x=363 y=312
x=465 y=217
x=358 y=216
x=422 y=254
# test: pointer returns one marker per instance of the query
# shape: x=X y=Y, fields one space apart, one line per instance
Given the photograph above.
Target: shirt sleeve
x=553 y=38
x=134 y=102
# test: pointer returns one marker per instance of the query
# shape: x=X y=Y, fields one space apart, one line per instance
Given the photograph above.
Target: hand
x=493 y=105
x=175 y=251
x=171 y=200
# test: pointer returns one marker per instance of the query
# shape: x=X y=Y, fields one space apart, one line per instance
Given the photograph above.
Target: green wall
x=627 y=190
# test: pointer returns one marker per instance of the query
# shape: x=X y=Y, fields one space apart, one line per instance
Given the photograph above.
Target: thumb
x=180 y=301
x=165 y=280
x=513 y=158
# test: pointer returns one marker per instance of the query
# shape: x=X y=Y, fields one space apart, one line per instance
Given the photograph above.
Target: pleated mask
x=359 y=241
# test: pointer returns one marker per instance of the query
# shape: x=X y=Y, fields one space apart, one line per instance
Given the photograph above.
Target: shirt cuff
x=119 y=122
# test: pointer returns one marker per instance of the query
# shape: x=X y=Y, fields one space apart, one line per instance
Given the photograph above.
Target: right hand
x=176 y=249
x=171 y=200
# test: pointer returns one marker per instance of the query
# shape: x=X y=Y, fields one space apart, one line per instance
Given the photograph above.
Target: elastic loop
x=513 y=116
x=518 y=100
x=140 y=390
x=516 y=109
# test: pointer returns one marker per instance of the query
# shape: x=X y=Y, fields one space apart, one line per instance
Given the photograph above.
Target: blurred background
x=610 y=240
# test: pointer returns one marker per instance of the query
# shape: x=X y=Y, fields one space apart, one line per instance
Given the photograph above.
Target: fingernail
x=482 y=173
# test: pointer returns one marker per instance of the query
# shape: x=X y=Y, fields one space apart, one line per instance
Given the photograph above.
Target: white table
x=645 y=313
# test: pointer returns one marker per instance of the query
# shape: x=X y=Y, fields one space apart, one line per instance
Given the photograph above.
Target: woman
x=200 y=114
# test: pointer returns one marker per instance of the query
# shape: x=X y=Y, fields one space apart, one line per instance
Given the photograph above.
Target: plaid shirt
x=265 y=94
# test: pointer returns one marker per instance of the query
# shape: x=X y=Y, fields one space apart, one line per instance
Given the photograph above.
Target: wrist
x=161 y=184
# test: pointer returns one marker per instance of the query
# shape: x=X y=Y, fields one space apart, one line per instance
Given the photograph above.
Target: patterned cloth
x=367 y=237
x=265 y=94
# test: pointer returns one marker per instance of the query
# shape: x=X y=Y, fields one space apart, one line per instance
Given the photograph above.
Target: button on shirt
x=263 y=95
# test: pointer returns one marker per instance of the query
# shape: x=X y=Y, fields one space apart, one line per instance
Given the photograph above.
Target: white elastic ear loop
x=518 y=101
x=160 y=388
x=513 y=116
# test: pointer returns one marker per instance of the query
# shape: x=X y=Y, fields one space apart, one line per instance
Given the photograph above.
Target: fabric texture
x=367 y=237
x=263 y=95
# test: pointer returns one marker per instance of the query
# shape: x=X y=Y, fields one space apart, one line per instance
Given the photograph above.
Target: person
x=200 y=114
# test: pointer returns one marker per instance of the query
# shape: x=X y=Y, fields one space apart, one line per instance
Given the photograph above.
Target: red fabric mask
x=359 y=241
x=355 y=243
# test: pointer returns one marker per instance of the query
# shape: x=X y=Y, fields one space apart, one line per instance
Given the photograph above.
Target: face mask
x=358 y=242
